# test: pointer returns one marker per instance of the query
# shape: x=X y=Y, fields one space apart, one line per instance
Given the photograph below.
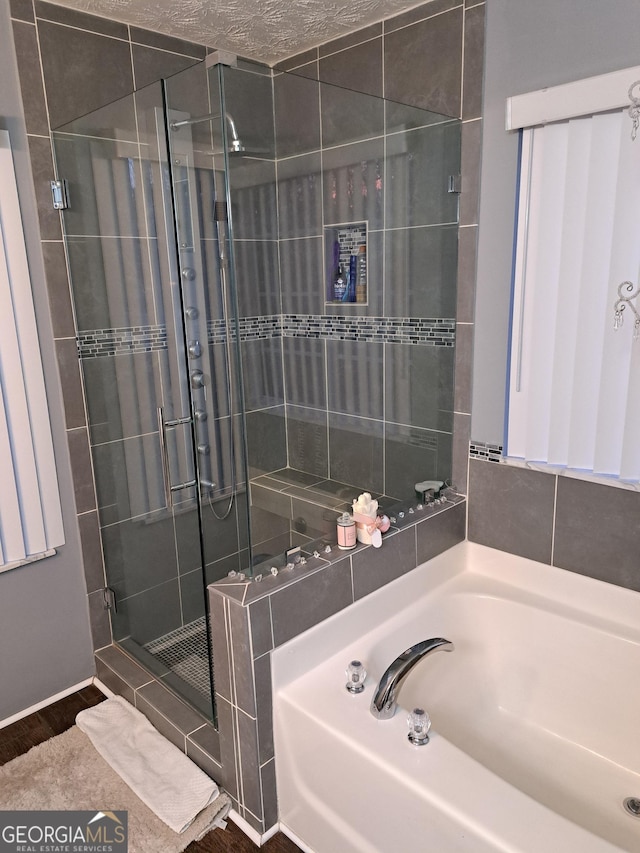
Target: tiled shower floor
x=184 y=652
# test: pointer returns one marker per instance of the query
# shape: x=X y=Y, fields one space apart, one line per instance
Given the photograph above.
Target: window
x=574 y=385
x=30 y=514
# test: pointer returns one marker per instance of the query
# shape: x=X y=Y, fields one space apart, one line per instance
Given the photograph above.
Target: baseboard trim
x=33 y=708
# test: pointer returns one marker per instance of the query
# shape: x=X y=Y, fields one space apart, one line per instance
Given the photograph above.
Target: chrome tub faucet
x=383 y=704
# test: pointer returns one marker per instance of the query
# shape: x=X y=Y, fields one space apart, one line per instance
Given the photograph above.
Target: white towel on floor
x=157 y=771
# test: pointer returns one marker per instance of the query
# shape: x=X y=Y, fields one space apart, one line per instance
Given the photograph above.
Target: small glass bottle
x=346 y=532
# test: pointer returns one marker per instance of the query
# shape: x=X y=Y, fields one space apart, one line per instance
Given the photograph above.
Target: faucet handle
x=419 y=724
x=356 y=674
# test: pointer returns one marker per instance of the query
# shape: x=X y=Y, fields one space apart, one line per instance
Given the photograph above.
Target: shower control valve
x=197 y=379
x=204 y=449
x=192 y=313
x=200 y=415
x=195 y=349
x=188 y=273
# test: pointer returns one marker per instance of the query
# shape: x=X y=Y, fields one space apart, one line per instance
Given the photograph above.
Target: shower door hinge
x=454 y=184
x=109 y=599
x=60 y=194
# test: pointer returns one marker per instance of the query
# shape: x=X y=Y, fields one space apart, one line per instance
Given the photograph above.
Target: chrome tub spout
x=383 y=704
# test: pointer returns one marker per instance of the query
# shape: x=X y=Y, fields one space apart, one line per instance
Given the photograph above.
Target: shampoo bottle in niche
x=339 y=281
x=361 y=275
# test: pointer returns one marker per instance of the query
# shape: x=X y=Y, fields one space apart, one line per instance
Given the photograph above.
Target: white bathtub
x=536 y=715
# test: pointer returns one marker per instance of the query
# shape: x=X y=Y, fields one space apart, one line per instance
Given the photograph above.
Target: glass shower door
x=143 y=371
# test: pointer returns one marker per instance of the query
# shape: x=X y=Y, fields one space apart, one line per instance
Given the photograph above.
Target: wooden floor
x=20 y=736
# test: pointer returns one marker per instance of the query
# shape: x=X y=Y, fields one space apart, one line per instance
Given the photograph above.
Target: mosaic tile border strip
x=121 y=341
x=251 y=328
x=438 y=332
x=485 y=452
x=435 y=332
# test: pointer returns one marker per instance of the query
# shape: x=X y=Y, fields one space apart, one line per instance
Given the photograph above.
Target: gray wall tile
x=420 y=272
x=204 y=761
x=374 y=567
x=471 y=152
x=80 y=457
x=167 y=43
x=597 y=531
x=355 y=371
x=35 y=110
x=264 y=707
x=150 y=64
x=344 y=42
x=426 y=10
x=206 y=739
x=474 y=21
x=220 y=646
x=463 y=369
x=307 y=434
x=99 y=619
x=297 y=114
x=113 y=681
x=460 y=451
x=423 y=63
x=309 y=600
x=511 y=509
x=467 y=257
x=349 y=116
x=269 y=793
x=22 y=10
x=78 y=87
x=299 y=60
x=182 y=716
x=243 y=694
x=148 y=614
x=228 y=739
x=58 y=290
x=80 y=20
x=69 y=367
x=43 y=174
x=413 y=454
x=305 y=372
x=91 y=551
x=160 y=722
x=129 y=671
x=260 y=622
x=250 y=767
x=440 y=532
x=418 y=386
x=355 y=451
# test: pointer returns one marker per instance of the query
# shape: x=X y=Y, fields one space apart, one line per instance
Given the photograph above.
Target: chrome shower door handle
x=164 y=457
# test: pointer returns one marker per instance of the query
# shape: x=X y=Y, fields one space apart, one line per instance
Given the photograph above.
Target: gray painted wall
x=45 y=643
x=528 y=46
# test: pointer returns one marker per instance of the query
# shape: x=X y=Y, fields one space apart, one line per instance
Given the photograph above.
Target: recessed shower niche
x=234 y=406
x=345 y=249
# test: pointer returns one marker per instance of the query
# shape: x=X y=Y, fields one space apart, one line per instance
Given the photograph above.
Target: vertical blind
x=30 y=514
x=574 y=386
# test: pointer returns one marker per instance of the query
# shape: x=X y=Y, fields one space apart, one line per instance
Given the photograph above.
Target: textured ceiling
x=265 y=30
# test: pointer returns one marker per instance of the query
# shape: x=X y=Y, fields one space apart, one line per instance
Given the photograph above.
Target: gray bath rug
x=66 y=772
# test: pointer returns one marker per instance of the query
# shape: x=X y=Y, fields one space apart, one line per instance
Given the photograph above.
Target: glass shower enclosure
x=263 y=271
